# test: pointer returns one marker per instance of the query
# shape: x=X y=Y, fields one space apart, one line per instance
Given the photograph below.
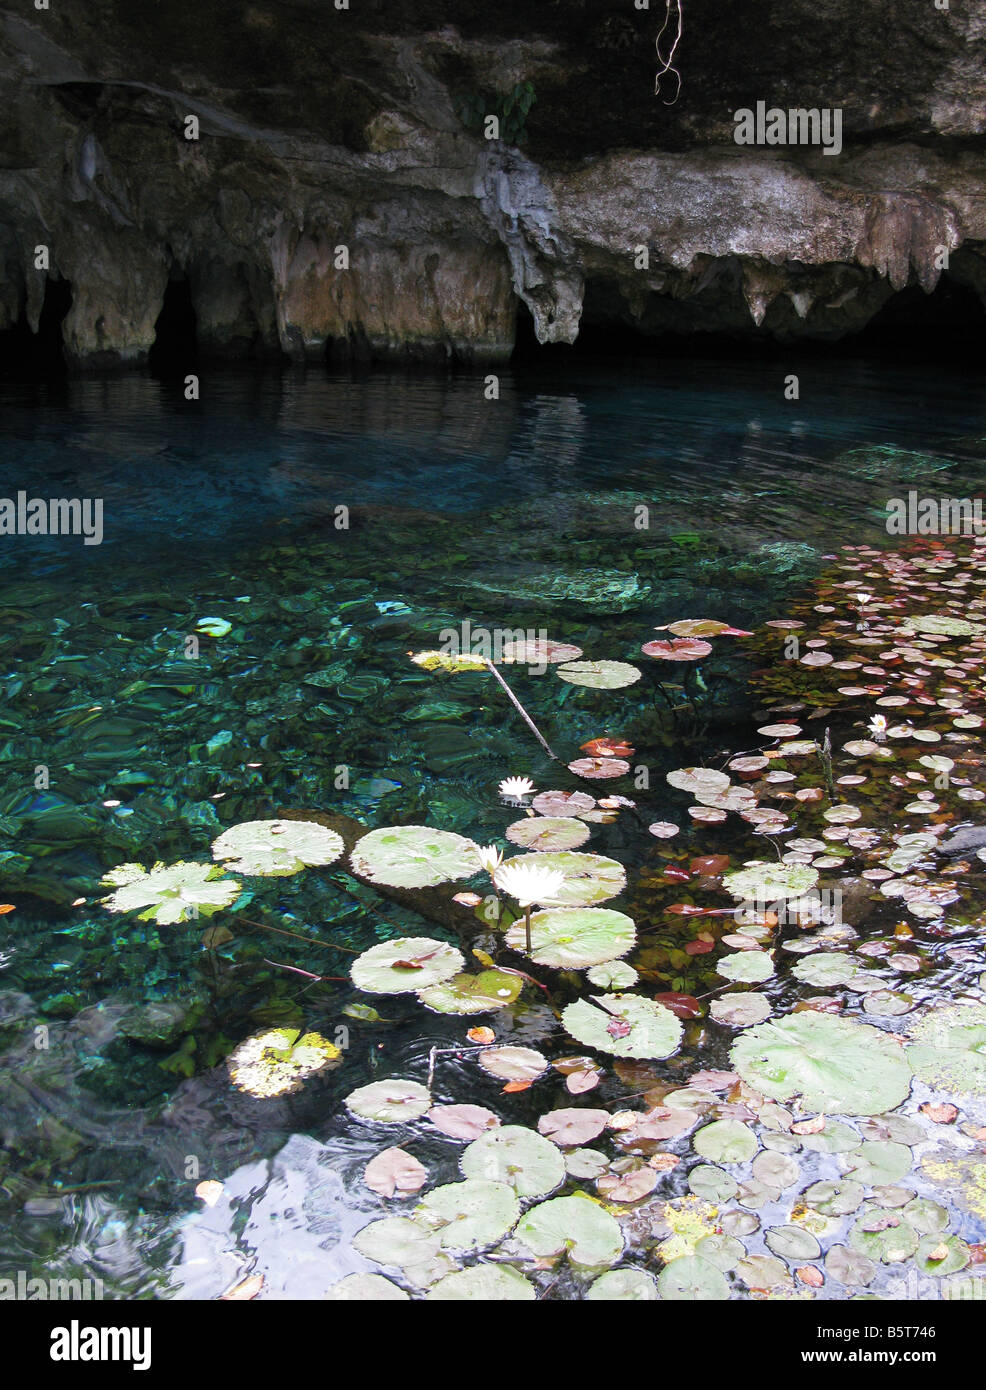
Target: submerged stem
x=522 y=711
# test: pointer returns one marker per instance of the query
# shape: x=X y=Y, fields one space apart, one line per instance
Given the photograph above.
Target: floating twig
x=522 y=711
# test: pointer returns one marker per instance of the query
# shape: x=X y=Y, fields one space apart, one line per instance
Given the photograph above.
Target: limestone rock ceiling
x=322 y=129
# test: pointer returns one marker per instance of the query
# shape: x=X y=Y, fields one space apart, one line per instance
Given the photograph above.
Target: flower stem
x=527 y=928
x=522 y=712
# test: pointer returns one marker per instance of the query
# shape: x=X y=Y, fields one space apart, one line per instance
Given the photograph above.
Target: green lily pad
x=726 y=1141
x=948 y=1049
x=515 y=1155
x=725 y=1252
x=890 y=1244
x=414 y=856
x=712 y=1184
x=957 y=1258
x=397 y=1241
x=692 y=1279
x=585 y=1163
x=472 y=994
x=599 y=675
x=612 y=975
x=835 y=1138
x=623 y=1286
x=169 y=893
x=548 y=832
x=469 y=1215
x=770 y=882
x=276 y=848
x=740 y=1010
x=625 y=1025
x=575 y=1225
x=747 y=967
x=405 y=965
x=368 y=1288
x=792 y=1243
x=483 y=1283
x=879 y=1163
x=571 y=938
x=835 y=1198
x=826 y=969
x=389 y=1102
x=589 y=878
x=836 y=1066
x=276 y=1061
x=941 y=626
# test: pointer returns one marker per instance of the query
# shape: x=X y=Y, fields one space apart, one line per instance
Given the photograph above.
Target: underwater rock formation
x=339 y=195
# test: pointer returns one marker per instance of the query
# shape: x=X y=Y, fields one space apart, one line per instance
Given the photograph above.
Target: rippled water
x=526 y=511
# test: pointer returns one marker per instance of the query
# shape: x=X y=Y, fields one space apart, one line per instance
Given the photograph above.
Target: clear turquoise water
x=459 y=508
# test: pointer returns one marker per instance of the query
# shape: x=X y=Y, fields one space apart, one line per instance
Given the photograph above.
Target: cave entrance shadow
x=912 y=326
x=38 y=355
x=175 y=351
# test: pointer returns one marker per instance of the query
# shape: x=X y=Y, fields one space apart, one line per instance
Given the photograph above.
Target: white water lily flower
x=490 y=858
x=878 y=726
x=529 y=883
x=863 y=599
x=516 y=786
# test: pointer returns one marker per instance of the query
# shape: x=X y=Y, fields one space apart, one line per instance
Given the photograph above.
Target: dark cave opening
x=41 y=354
x=175 y=351
x=913 y=326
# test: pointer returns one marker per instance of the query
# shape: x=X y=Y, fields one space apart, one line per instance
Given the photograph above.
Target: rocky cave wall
x=322 y=129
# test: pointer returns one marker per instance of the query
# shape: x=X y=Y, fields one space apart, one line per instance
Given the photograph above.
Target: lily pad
x=726 y=1141
x=169 y=893
x=623 y=1024
x=574 y=1125
x=483 y=1283
x=397 y=1241
x=749 y=967
x=368 y=1288
x=463 y=1121
x=470 y=1215
x=948 y=1049
x=942 y=626
x=513 y=1063
x=692 y=1279
x=770 y=882
x=277 y=1061
x=472 y=994
x=276 y=848
x=589 y=878
x=879 y=1163
x=740 y=1010
x=572 y=938
x=573 y=1225
x=548 y=832
x=699 y=781
x=623 y=1286
x=612 y=975
x=389 y=1102
x=405 y=965
x=835 y=1198
x=850 y=1266
x=792 y=1243
x=414 y=856
x=826 y=969
x=836 y=1066
x=599 y=675
x=517 y=1156
x=712 y=1184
